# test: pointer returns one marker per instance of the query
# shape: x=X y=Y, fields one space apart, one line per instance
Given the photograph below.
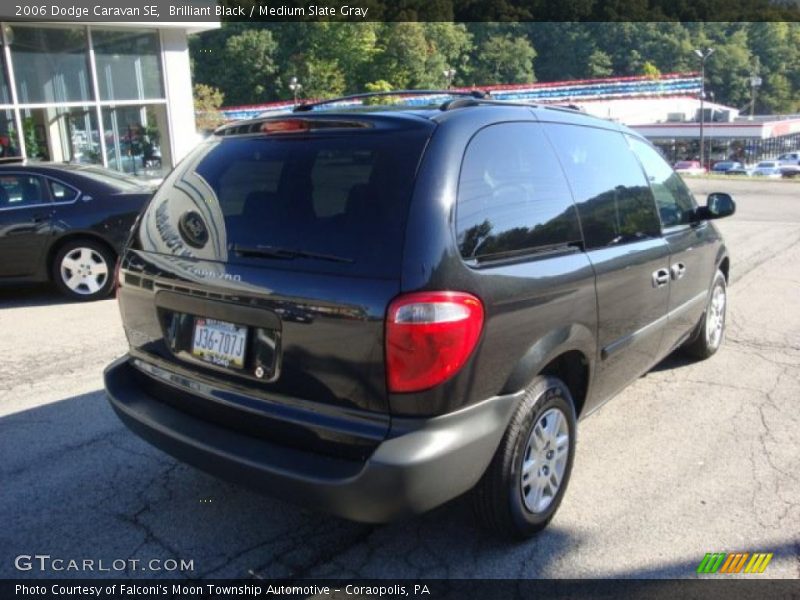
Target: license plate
x=219 y=343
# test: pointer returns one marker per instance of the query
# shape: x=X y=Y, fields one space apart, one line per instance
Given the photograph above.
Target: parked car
x=65 y=223
x=789 y=171
x=789 y=159
x=767 y=168
x=474 y=277
x=745 y=170
x=689 y=167
x=725 y=166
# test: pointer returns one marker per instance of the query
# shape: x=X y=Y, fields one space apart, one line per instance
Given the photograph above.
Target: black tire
x=703 y=343
x=92 y=262
x=499 y=499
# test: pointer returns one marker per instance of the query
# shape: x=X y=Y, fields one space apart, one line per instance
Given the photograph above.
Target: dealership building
x=117 y=95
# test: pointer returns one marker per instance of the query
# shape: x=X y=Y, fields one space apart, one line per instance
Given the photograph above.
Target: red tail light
x=429 y=337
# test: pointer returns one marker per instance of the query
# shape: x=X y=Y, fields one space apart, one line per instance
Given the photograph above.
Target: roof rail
x=485 y=101
x=574 y=107
x=470 y=94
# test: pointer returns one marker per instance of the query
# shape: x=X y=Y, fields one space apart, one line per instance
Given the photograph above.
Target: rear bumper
x=421 y=464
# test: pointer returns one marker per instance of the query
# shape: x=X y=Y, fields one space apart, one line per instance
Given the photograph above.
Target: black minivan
x=372 y=311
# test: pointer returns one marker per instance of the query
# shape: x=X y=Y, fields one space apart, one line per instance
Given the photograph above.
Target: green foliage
x=207 y=102
x=248 y=66
x=504 y=59
x=650 y=70
x=253 y=62
x=378 y=86
x=32 y=146
x=599 y=64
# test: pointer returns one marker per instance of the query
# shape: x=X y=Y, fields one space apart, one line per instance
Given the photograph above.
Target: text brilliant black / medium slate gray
x=373 y=311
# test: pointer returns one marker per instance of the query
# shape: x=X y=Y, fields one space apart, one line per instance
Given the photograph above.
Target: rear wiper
x=288 y=253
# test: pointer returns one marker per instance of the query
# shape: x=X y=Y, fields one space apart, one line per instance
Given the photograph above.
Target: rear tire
x=83 y=270
x=711 y=328
x=522 y=488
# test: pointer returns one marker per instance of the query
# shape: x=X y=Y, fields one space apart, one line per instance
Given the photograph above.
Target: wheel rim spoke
x=69 y=263
x=74 y=282
x=92 y=284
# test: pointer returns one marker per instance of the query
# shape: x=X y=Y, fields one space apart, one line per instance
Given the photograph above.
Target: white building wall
x=178 y=87
x=641 y=111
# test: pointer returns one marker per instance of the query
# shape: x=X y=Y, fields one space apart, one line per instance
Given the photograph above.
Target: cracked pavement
x=692 y=458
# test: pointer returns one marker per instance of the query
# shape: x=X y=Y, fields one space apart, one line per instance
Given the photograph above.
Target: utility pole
x=703 y=55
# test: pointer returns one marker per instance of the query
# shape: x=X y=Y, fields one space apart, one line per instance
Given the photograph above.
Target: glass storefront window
x=5 y=92
x=128 y=64
x=51 y=64
x=136 y=139
x=9 y=140
x=62 y=134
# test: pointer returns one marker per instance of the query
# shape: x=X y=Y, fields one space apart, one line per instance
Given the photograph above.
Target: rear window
x=330 y=202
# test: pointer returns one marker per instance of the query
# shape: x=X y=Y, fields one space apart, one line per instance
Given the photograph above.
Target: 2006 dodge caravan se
x=371 y=311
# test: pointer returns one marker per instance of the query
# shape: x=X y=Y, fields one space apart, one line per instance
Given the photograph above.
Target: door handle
x=660 y=278
x=678 y=270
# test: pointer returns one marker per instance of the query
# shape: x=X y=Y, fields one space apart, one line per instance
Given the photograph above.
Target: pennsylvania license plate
x=219 y=343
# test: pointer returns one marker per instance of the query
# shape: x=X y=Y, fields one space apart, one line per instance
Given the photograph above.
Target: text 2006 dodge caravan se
x=373 y=311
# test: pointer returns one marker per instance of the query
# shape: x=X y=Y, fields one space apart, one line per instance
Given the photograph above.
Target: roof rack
x=474 y=94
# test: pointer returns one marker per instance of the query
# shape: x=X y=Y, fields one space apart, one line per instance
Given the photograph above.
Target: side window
x=675 y=202
x=614 y=201
x=61 y=192
x=512 y=195
x=21 y=190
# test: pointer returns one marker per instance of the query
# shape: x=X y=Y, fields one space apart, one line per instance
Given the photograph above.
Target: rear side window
x=61 y=192
x=336 y=201
x=614 y=200
x=512 y=195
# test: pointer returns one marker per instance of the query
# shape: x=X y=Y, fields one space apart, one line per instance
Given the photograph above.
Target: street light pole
x=755 y=83
x=295 y=86
x=449 y=73
x=703 y=55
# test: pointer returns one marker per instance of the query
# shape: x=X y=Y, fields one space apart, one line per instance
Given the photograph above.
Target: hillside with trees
x=253 y=63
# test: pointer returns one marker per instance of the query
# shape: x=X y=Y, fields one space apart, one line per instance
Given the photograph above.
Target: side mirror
x=86 y=198
x=718 y=205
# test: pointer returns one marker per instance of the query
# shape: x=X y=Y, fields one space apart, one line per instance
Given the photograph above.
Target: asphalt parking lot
x=693 y=458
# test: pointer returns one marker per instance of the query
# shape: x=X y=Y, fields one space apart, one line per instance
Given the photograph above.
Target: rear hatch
x=257 y=280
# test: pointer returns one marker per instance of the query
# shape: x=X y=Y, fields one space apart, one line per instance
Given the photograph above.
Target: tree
x=378 y=86
x=449 y=47
x=401 y=54
x=650 y=70
x=207 y=101
x=249 y=67
x=599 y=64
x=504 y=58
